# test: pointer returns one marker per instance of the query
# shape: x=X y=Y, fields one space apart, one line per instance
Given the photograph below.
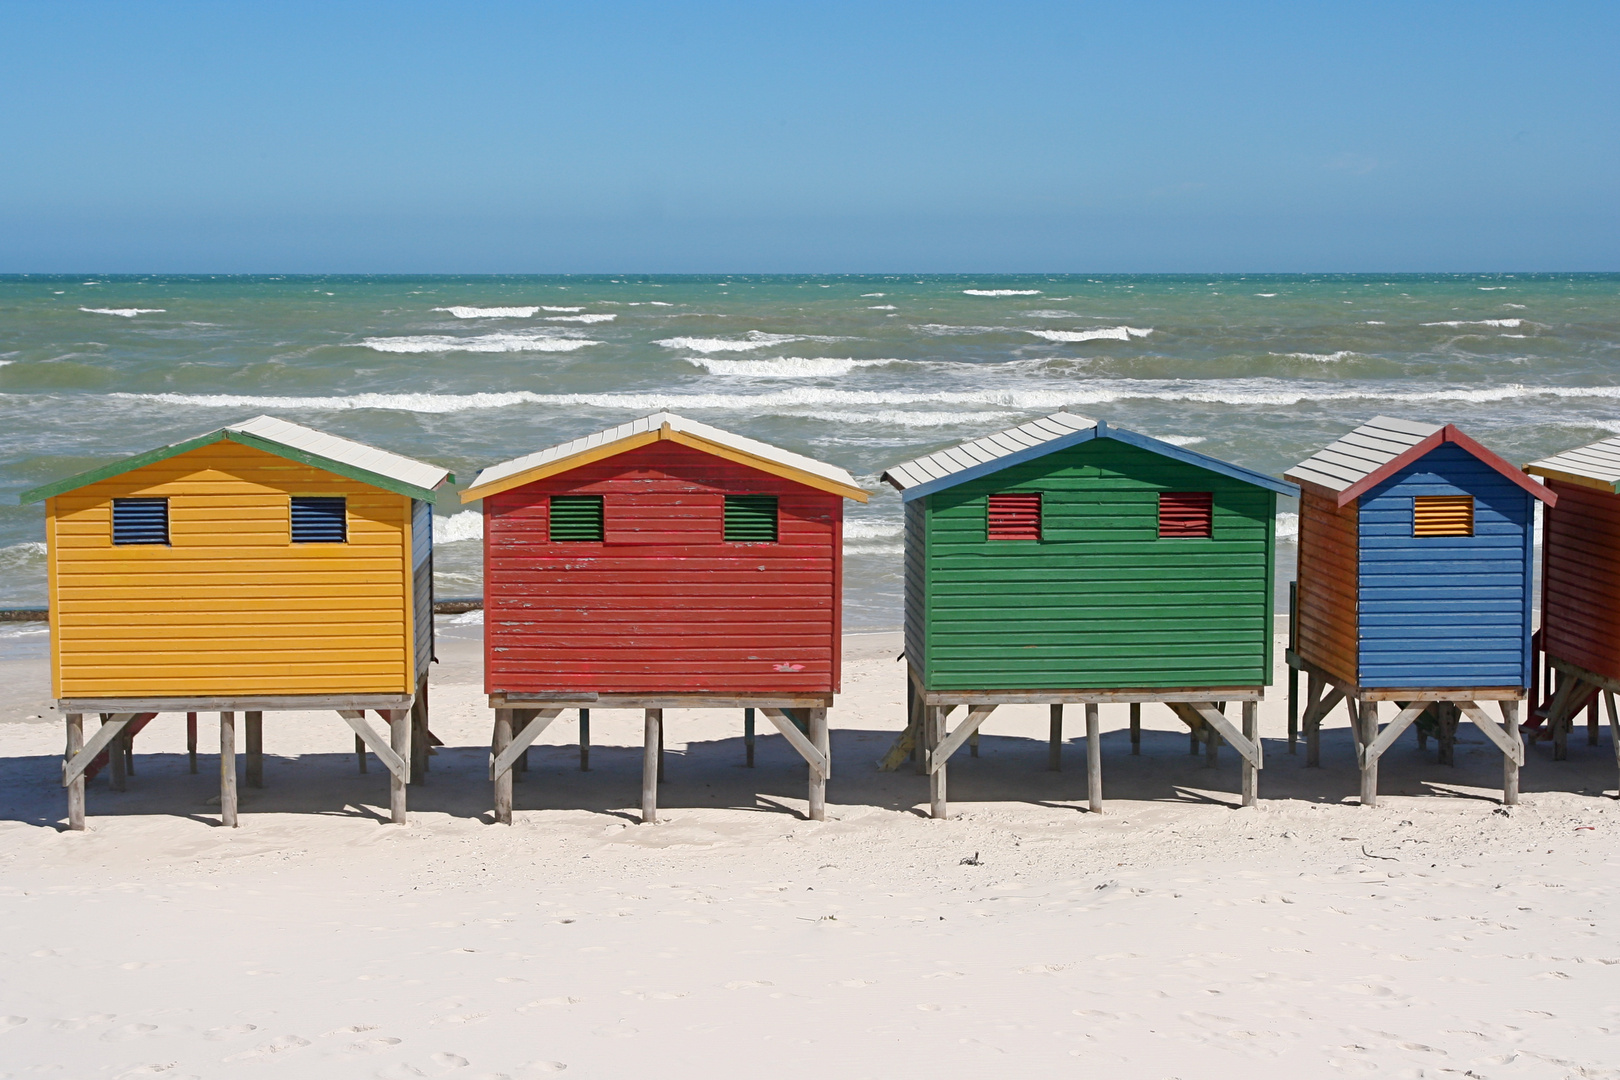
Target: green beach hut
x=1068 y=561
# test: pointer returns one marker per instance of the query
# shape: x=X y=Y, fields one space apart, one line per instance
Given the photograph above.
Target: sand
x=1174 y=936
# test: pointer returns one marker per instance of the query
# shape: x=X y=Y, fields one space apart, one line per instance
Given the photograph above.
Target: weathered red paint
x=1580 y=582
x=664 y=604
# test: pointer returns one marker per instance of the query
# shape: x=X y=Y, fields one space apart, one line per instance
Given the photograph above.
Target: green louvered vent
x=751 y=519
x=576 y=518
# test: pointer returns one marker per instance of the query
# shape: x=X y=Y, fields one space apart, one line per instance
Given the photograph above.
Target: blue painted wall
x=1446 y=611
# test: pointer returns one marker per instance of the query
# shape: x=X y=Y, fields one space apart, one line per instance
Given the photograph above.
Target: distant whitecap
x=1001 y=292
x=490 y=312
x=581 y=318
x=1103 y=333
x=124 y=312
x=510 y=342
x=1511 y=324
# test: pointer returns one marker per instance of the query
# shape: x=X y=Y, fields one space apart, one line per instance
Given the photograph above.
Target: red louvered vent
x=1015 y=517
x=1186 y=513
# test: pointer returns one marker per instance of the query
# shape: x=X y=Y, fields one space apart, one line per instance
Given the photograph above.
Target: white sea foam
x=508 y=342
x=27 y=629
x=786 y=367
x=1492 y=288
x=945 y=330
x=881 y=307
x=908 y=418
x=1321 y=358
x=581 y=318
x=1287 y=526
x=1181 y=440
x=1519 y=307
x=1102 y=333
x=1513 y=335
x=125 y=312
x=756 y=339
x=1054 y=314
x=1267 y=295
x=466 y=618
x=490 y=312
x=800 y=400
x=869 y=548
x=870 y=295
x=1509 y=323
x=1374 y=322
x=467 y=525
x=872 y=530
x=1001 y=292
x=548 y=307
x=3 y=363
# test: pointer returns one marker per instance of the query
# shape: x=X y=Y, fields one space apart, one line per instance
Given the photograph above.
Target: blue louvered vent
x=140 y=521
x=319 y=520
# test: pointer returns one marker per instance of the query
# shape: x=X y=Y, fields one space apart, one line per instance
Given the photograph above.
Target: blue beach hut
x=1414 y=586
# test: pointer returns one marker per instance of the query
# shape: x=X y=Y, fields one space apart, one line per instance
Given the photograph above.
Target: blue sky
x=586 y=137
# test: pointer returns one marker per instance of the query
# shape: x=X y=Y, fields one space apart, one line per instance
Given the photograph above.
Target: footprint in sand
x=855 y=984
x=220 y=1033
x=458 y=1020
x=449 y=1061
x=543 y=1066
x=129 y=1031
x=9 y=1022
x=281 y=1044
x=152 y=1069
x=746 y=984
x=543 y=1003
x=372 y=1046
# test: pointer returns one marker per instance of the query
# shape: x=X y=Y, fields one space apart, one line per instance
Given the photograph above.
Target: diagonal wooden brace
x=1229 y=731
x=807 y=749
x=356 y=718
x=93 y=746
x=1386 y=738
x=521 y=742
x=953 y=742
x=1511 y=745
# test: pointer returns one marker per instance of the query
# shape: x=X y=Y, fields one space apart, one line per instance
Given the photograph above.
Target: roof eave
x=117 y=468
x=1448 y=434
x=1606 y=486
x=1204 y=461
x=994 y=465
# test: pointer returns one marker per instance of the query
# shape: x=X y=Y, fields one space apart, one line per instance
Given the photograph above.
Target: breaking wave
x=786 y=367
x=1001 y=292
x=1511 y=324
x=1322 y=358
x=581 y=318
x=489 y=312
x=511 y=341
x=756 y=339
x=1287 y=526
x=1103 y=333
x=125 y=312
x=467 y=525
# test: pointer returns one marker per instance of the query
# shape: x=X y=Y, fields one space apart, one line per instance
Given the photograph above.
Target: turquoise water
x=862 y=371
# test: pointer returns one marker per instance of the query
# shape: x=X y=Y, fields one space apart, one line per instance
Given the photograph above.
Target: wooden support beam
x=808 y=750
x=534 y=725
x=748 y=738
x=1212 y=737
x=117 y=757
x=1383 y=740
x=399 y=737
x=905 y=744
x=227 y=769
x=818 y=777
x=500 y=741
x=360 y=753
x=1293 y=706
x=1592 y=721
x=75 y=786
x=652 y=741
x=1094 y=799
x=421 y=742
x=191 y=739
x=950 y=744
x=1510 y=744
x=1251 y=732
x=1557 y=713
x=1510 y=765
x=1225 y=729
x=1614 y=724
x=254 y=722
x=1136 y=728
x=584 y=740
x=395 y=764
x=74 y=767
x=1364 y=716
x=1054 y=738
x=933 y=736
x=973 y=745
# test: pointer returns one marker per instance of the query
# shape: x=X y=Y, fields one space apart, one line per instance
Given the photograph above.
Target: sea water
x=860 y=371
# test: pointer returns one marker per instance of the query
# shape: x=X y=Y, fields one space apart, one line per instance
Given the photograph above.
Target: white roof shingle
x=971 y=455
x=343 y=451
x=1594 y=465
x=1342 y=464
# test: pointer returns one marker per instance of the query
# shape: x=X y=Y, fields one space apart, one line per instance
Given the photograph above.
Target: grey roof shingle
x=970 y=455
x=1598 y=462
x=1342 y=464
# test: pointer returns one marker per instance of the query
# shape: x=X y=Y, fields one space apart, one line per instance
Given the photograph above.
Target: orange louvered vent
x=1443 y=515
x=1186 y=513
x=1015 y=517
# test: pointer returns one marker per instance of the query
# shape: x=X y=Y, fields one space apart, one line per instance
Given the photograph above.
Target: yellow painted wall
x=231 y=605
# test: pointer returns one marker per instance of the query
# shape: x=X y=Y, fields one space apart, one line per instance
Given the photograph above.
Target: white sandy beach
x=1173 y=936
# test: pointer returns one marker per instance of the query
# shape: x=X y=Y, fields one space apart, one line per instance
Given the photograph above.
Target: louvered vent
x=1443 y=515
x=1186 y=513
x=1015 y=517
x=140 y=521
x=319 y=519
x=576 y=519
x=751 y=519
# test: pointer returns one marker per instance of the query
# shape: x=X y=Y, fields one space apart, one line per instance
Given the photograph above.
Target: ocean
x=860 y=370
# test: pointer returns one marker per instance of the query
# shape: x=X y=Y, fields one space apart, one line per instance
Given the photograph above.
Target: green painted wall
x=1100 y=602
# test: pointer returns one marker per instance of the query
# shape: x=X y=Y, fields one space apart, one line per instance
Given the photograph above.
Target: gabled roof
x=981 y=457
x=1375 y=451
x=1596 y=465
x=662 y=426
x=345 y=457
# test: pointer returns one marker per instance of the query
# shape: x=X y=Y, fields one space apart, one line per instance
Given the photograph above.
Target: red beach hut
x=662 y=564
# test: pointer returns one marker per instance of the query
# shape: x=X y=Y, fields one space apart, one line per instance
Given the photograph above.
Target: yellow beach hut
x=264 y=566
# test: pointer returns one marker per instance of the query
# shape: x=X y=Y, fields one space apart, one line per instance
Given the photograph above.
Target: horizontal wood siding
x=687 y=613
x=1329 y=548
x=916 y=591
x=1438 y=611
x=1580 y=592
x=230 y=605
x=1100 y=601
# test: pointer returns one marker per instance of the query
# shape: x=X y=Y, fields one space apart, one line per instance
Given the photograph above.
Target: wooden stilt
x=973 y=745
x=360 y=753
x=419 y=734
x=191 y=739
x=748 y=738
x=933 y=735
x=1192 y=742
x=115 y=759
x=1365 y=717
x=1293 y=704
x=1510 y=767
x=75 y=788
x=399 y=740
x=651 y=750
x=227 y=769
x=1094 y=800
x=919 y=748
x=1054 y=743
x=1422 y=736
x=503 y=780
x=129 y=749
x=1448 y=716
x=660 y=746
x=1592 y=722
x=520 y=720
x=1212 y=747
x=1614 y=725
x=1251 y=731
x=584 y=740
x=818 y=779
x=1136 y=727
x=1314 y=685
x=255 y=749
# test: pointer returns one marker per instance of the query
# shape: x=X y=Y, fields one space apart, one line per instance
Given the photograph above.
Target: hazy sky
x=508 y=137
